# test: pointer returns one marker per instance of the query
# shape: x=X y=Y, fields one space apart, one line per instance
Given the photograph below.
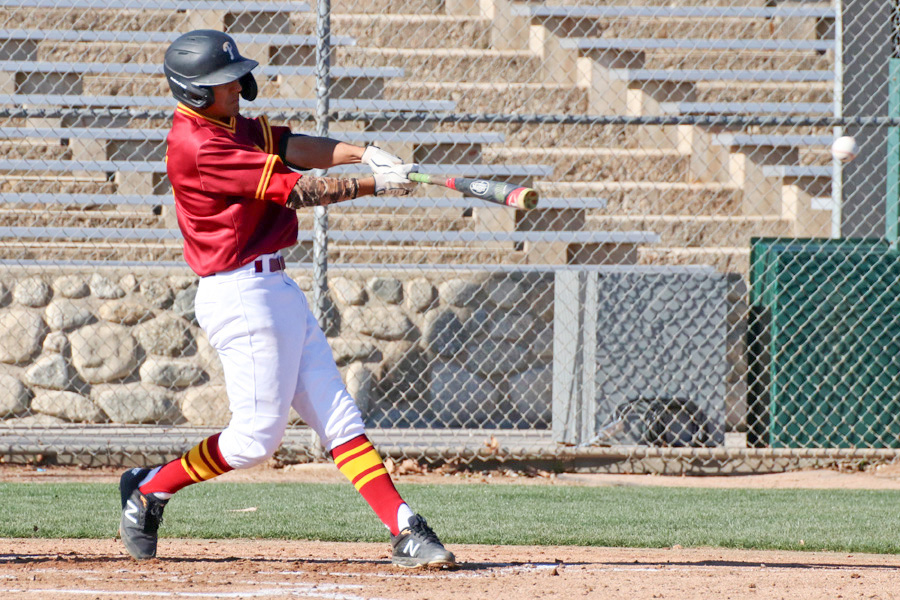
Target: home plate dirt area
x=100 y=570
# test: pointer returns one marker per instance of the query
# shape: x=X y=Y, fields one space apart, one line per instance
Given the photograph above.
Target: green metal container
x=824 y=344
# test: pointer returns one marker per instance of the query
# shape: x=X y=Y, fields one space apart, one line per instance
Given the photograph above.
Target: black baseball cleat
x=141 y=516
x=418 y=546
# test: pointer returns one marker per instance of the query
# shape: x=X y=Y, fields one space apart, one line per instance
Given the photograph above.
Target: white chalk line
x=303 y=591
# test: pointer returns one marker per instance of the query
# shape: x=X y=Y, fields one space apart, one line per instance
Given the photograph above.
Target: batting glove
x=379 y=160
x=395 y=180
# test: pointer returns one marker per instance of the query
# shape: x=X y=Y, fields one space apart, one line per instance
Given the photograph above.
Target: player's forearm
x=320 y=152
x=322 y=191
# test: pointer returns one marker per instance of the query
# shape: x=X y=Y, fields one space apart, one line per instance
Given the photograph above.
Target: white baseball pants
x=274 y=356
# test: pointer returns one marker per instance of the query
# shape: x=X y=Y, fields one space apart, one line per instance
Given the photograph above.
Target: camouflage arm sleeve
x=320 y=191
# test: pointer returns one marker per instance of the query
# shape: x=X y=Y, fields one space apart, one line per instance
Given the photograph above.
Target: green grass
x=838 y=520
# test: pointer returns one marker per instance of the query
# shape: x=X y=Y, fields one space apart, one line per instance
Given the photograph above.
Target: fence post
x=837 y=172
x=892 y=197
x=320 y=232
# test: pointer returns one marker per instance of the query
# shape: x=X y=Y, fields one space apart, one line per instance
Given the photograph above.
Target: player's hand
x=379 y=160
x=394 y=180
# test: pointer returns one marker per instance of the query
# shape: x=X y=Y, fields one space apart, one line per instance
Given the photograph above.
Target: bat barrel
x=523 y=197
x=494 y=191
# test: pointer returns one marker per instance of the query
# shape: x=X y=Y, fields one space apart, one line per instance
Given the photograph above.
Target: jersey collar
x=185 y=110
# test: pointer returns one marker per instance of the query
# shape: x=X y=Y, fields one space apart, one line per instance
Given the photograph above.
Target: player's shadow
x=26 y=559
x=751 y=564
x=296 y=562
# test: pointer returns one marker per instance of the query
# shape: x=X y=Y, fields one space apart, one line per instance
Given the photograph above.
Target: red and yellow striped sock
x=203 y=461
x=359 y=462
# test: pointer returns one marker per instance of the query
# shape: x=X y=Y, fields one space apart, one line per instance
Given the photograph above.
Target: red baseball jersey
x=230 y=188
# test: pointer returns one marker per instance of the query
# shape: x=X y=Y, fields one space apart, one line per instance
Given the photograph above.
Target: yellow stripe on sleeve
x=267 y=134
x=266 y=176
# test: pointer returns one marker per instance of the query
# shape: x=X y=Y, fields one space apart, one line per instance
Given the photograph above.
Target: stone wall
x=416 y=348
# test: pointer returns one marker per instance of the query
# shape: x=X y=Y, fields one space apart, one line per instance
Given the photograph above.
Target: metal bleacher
x=773 y=59
x=105 y=165
x=115 y=171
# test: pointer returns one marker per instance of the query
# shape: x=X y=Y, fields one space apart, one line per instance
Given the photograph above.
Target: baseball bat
x=492 y=191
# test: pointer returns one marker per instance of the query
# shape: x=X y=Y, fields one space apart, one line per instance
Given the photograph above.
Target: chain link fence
x=701 y=282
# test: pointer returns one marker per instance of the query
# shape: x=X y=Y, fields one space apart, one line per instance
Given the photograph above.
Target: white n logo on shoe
x=131 y=511
x=411 y=548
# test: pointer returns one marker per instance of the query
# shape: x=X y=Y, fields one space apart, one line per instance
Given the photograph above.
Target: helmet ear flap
x=198 y=97
x=249 y=88
x=195 y=96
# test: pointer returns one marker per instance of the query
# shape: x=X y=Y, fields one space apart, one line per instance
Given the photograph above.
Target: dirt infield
x=100 y=570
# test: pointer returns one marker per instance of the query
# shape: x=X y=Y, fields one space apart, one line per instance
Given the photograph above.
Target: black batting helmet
x=203 y=58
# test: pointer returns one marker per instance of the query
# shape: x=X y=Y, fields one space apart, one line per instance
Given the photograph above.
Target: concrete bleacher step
x=684 y=9
x=803 y=175
x=446 y=64
x=93 y=18
x=492 y=98
x=86 y=200
x=399 y=7
x=813 y=149
x=648 y=197
x=744 y=60
x=82 y=183
x=730 y=259
x=146 y=46
x=162 y=15
x=692 y=5
x=816 y=157
x=693 y=231
x=95 y=250
x=262 y=104
x=34 y=77
x=169 y=5
x=750 y=108
x=406 y=30
x=54 y=216
x=726 y=22
x=762 y=91
x=737 y=140
x=720 y=75
x=696 y=45
x=677 y=27
x=594 y=164
x=34 y=149
x=549 y=135
x=700 y=53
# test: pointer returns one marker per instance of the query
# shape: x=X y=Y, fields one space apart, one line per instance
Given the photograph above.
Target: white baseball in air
x=844 y=148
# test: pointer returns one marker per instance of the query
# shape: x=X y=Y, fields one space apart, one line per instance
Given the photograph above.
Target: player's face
x=226 y=100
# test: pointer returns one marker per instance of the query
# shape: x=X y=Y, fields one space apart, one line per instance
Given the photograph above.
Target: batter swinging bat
x=492 y=191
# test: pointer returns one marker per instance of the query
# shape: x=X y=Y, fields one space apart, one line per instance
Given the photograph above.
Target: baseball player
x=235 y=199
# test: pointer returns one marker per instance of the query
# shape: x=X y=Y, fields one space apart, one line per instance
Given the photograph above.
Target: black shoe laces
x=154 y=516
x=422 y=530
